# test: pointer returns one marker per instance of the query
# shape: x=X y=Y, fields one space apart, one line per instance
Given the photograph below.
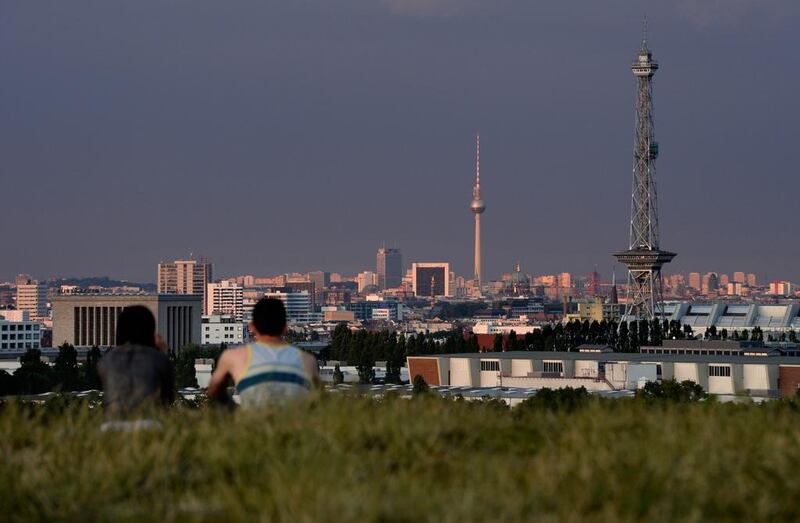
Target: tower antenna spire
x=644 y=32
x=478 y=164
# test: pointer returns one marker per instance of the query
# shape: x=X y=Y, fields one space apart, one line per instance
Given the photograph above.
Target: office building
x=217 y=329
x=739 y=277
x=389 y=268
x=367 y=280
x=91 y=319
x=694 y=280
x=225 y=298
x=18 y=331
x=431 y=279
x=184 y=277
x=298 y=305
x=32 y=297
x=377 y=308
x=781 y=288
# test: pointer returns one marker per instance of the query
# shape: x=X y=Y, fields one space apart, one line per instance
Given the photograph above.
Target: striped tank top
x=273 y=375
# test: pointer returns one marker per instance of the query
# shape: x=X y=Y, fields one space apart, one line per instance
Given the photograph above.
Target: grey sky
x=297 y=135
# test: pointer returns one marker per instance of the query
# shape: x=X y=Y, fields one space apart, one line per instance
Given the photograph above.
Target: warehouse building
x=600 y=370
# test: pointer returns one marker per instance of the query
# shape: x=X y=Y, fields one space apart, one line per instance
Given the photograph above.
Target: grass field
x=427 y=459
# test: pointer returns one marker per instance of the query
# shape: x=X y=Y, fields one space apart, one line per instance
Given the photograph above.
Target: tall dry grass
x=343 y=459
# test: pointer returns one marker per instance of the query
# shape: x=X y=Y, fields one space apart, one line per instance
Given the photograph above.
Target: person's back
x=267 y=371
x=275 y=374
x=136 y=375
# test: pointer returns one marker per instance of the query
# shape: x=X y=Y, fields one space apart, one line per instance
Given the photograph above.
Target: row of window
x=18 y=345
x=20 y=336
x=719 y=370
x=490 y=365
x=553 y=366
x=19 y=327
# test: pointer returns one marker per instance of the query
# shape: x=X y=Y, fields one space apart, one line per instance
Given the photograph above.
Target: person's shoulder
x=234 y=353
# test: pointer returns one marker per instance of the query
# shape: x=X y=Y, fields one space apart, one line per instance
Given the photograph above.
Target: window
x=553 y=366
x=719 y=370
x=490 y=365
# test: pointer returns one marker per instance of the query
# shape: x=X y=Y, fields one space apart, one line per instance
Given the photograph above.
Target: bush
x=566 y=399
x=671 y=391
x=419 y=386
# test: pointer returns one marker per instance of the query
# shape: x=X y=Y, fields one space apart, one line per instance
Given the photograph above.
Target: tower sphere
x=477 y=206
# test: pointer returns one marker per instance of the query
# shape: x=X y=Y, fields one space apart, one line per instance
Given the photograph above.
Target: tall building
x=85 y=320
x=389 y=268
x=738 y=277
x=298 y=304
x=694 y=280
x=431 y=279
x=184 y=277
x=366 y=279
x=644 y=257
x=477 y=206
x=32 y=297
x=225 y=298
x=751 y=280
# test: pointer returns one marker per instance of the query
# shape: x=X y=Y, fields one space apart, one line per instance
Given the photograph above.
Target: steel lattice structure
x=644 y=257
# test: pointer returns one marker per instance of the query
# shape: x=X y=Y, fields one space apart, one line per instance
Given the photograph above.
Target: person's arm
x=310 y=363
x=219 y=379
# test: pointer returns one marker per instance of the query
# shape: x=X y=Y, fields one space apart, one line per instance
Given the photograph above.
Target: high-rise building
x=298 y=304
x=644 y=257
x=32 y=297
x=751 y=280
x=85 y=320
x=225 y=299
x=366 y=279
x=389 y=268
x=321 y=279
x=184 y=277
x=431 y=279
x=723 y=280
x=710 y=283
x=477 y=207
x=739 y=277
x=694 y=280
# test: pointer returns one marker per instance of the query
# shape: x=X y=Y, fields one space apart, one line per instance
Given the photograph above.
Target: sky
x=276 y=136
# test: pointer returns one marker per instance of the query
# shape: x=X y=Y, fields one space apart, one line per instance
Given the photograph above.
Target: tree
x=670 y=390
x=34 y=376
x=512 y=340
x=89 y=375
x=338 y=375
x=420 y=386
x=497 y=346
x=184 y=366
x=624 y=337
x=66 y=375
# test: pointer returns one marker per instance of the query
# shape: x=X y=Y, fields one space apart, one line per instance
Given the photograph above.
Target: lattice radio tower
x=644 y=257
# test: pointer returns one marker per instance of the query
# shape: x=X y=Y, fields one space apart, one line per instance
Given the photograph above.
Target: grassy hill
x=427 y=459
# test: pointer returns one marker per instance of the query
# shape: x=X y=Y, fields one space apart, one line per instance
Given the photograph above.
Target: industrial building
x=600 y=370
x=770 y=318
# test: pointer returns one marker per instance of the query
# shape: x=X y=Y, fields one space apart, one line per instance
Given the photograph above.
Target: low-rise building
x=18 y=331
x=91 y=319
x=217 y=329
x=754 y=375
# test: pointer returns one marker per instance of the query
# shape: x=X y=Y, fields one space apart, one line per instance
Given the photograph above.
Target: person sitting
x=269 y=370
x=137 y=374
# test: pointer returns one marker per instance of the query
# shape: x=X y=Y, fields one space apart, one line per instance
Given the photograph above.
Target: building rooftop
x=620 y=356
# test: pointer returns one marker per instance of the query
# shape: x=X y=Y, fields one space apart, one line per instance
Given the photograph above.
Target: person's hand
x=161 y=344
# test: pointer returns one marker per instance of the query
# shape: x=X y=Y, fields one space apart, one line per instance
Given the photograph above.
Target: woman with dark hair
x=137 y=373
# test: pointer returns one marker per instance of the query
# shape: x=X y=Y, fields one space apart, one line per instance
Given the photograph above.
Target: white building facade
x=225 y=298
x=217 y=329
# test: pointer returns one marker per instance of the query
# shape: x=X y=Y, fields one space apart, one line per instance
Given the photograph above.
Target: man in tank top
x=269 y=370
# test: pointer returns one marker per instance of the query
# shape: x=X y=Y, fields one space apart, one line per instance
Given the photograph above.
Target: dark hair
x=136 y=325
x=269 y=317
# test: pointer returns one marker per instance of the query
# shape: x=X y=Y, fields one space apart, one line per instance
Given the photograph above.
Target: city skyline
x=114 y=139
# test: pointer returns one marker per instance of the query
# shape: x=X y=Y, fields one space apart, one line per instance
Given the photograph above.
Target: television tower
x=477 y=206
x=644 y=257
